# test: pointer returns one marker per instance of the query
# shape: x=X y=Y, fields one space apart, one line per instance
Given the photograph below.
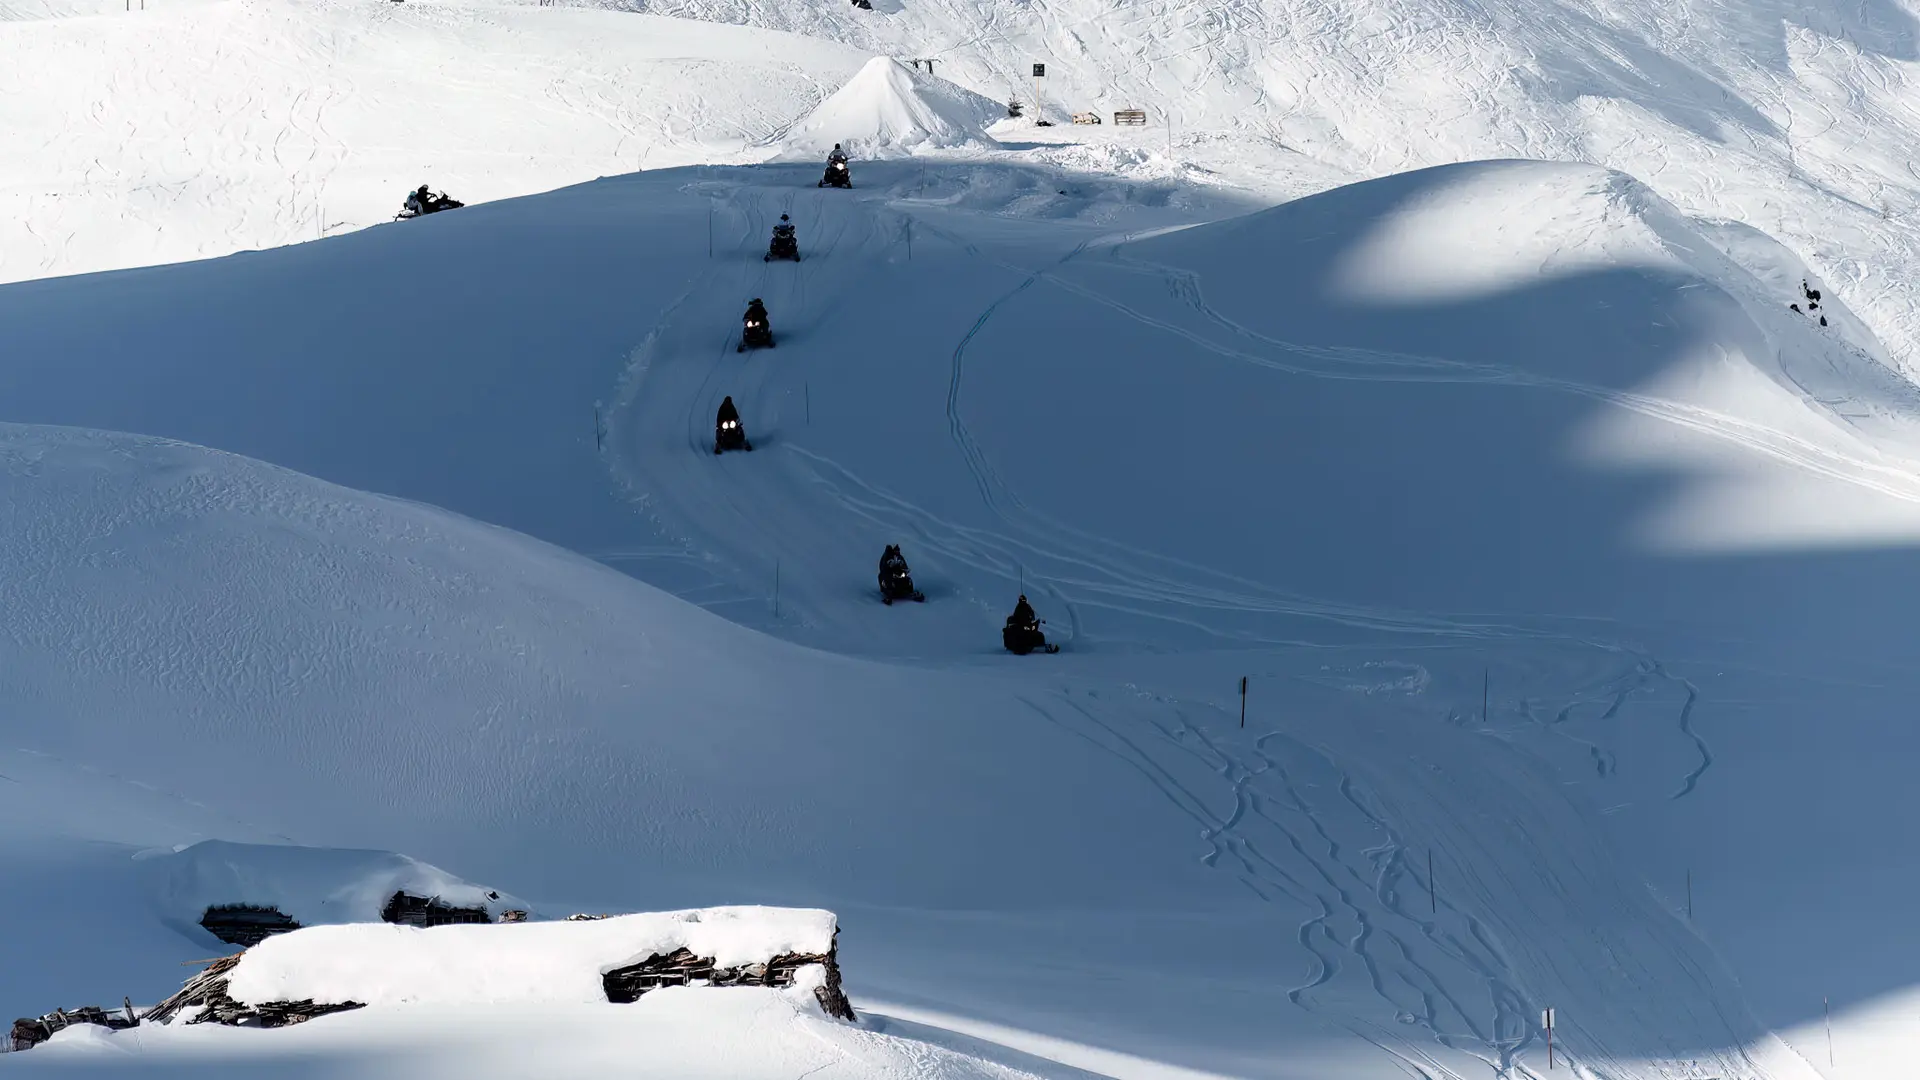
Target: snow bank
x=889 y=110
x=312 y=885
x=555 y=962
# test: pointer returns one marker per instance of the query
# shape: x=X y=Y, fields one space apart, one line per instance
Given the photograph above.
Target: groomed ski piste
x=1566 y=567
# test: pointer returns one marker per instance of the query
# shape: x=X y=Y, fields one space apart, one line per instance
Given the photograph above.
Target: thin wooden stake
x=1243 y=701
x=599 y=436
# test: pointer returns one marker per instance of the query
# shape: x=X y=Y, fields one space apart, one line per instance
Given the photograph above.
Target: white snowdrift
x=378 y=964
x=676 y=1033
x=889 y=110
x=312 y=885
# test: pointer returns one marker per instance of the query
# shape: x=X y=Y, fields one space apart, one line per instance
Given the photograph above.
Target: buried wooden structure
x=205 y=998
x=246 y=925
x=407 y=909
x=1135 y=117
x=29 y=1032
x=206 y=995
x=682 y=968
x=1086 y=118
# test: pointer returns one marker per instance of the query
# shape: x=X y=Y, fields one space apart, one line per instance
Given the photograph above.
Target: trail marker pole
x=599 y=434
x=1243 y=701
x=1546 y=1021
x=1826 y=1007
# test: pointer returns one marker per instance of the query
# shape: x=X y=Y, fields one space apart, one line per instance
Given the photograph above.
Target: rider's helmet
x=783 y=217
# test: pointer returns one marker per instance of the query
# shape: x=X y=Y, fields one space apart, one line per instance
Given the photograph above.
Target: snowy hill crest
x=889 y=110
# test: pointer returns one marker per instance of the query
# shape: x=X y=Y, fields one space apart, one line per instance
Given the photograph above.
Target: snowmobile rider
x=1023 y=617
x=756 y=312
x=784 y=230
x=837 y=155
x=727 y=412
x=421 y=201
x=892 y=563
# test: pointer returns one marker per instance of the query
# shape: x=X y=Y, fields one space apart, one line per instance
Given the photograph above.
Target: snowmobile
x=1021 y=639
x=729 y=435
x=755 y=333
x=727 y=432
x=896 y=581
x=423 y=202
x=784 y=246
x=837 y=175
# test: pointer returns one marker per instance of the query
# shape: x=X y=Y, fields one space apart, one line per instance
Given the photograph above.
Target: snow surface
x=1567 y=568
x=671 y=1034
x=1176 y=893
x=378 y=964
x=889 y=110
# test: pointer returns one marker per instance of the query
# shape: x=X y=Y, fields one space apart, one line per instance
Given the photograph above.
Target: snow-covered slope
x=1796 y=119
x=1441 y=483
x=199 y=128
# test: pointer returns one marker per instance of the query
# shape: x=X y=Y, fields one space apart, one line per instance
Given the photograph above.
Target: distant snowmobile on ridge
x=837 y=175
x=423 y=202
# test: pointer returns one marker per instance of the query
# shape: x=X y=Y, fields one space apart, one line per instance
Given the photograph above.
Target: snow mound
x=378 y=964
x=889 y=110
x=314 y=886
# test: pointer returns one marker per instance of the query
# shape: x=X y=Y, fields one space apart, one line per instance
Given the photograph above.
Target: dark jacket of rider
x=892 y=562
x=756 y=311
x=727 y=412
x=1023 y=614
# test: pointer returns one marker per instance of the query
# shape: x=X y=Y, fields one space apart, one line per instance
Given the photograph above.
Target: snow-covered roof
x=551 y=962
